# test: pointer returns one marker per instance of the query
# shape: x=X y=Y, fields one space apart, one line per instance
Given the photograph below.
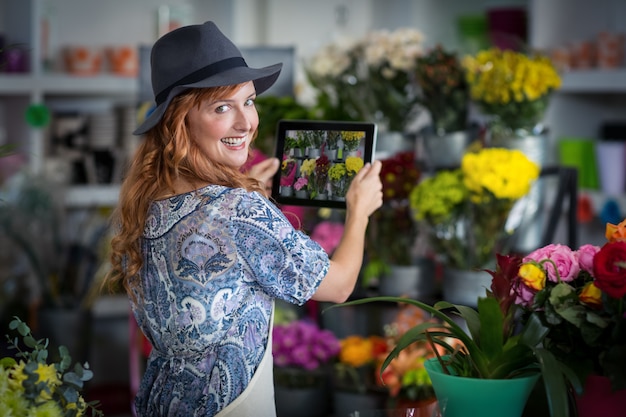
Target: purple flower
x=303 y=344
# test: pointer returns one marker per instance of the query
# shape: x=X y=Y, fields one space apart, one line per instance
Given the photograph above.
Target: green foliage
x=55 y=386
x=490 y=349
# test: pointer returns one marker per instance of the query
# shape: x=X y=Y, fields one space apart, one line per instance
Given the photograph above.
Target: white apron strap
x=258 y=397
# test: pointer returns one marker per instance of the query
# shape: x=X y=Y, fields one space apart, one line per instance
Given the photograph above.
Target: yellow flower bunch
x=31 y=387
x=337 y=171
x=307 y=167
x=353 y=164
x=351 y=140
x=466 y=209
x=512 y=86
x=507 y=174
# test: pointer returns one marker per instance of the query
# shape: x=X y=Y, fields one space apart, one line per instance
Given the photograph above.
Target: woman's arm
x=363 y=198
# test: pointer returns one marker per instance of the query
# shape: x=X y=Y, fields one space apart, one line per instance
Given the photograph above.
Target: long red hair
x=167 y=153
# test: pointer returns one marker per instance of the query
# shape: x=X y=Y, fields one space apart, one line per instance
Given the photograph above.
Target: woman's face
x=223 y=128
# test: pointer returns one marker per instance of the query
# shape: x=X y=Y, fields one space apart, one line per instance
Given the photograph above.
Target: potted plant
x=29 y=385
x=444 y=93
x=341 y=174
x=491 y=349
x=354 y=374
x=303 y=353
x=370 y=78
x=466 y=211
x=351 y=142
x=288 y=175
x=513 y=88
x=395 y=258
x=580 y=295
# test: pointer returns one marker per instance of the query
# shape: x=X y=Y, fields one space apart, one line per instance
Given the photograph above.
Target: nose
x=246 y=118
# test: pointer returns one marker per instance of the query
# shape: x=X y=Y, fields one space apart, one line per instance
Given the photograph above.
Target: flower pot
x=391 y=143
x=413 y=281
x=598 y=399
x=286 y=190
x=529 y=223
x=462 y=397
x=446 y=151
x=464 y=287
x=301 y=402
x=313 y=152
x=302 y=194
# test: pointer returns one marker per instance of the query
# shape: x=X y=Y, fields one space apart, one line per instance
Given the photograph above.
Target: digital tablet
x=319 y=160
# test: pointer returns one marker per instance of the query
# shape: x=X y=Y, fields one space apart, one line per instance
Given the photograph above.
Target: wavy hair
x=167 y=153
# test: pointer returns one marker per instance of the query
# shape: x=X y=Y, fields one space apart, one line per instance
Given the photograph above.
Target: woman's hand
x=365 y=194
x=264 y=171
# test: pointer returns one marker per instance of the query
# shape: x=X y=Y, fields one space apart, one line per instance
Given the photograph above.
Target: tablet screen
x=319 y=160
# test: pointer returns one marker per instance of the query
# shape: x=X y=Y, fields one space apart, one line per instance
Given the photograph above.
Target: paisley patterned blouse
x=214 y=261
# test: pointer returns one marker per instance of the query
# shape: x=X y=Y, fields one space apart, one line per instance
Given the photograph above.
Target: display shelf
x=78 y=196
x=594 y=81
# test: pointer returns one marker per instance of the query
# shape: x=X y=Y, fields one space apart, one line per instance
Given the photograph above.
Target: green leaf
x=554 y=382
x=491 y=327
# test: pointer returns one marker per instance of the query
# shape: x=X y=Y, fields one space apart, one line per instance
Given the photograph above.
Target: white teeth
x=233 y=141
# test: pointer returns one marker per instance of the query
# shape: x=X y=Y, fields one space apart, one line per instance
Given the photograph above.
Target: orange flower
x=616 y=233
x=591 y=295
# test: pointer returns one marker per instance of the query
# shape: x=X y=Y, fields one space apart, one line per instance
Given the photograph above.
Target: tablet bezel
x=366 y=149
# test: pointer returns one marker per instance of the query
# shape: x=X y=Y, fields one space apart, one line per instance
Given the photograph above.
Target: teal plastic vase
x=461 y=397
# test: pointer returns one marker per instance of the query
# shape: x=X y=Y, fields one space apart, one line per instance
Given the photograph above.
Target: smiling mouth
x=234 y=142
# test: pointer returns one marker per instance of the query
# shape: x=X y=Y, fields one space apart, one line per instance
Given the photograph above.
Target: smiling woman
x=201 y=250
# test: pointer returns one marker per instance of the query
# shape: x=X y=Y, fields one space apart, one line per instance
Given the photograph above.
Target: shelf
x=64 y=84
x=594 y=81
x=79 y=196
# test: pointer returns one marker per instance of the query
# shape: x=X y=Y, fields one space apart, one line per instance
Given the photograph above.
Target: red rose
x=609 y=269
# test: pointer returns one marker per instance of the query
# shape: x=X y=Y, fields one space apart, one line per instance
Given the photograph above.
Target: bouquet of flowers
x=444 y=90
x=351 y=140
x=29 y=386
x=301 y=351
x=356 y=365
x=466 y=210
x=368 y=79
x=580 y=296
x=342 y=173
x=511 y=86
x=288 y=172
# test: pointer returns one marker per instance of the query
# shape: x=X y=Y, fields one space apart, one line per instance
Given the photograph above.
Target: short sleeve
x=284 y=261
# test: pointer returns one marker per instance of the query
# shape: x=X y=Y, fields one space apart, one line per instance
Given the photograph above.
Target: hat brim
x=263 y=78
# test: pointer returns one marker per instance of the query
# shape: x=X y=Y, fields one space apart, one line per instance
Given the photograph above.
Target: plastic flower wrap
x=467 y=209
x=301 y=351
x=29 y=386
x=579 y=295
x=512 y=86
x=288 y=172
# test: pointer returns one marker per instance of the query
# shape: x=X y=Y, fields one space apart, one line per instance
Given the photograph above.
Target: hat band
x=201 y=74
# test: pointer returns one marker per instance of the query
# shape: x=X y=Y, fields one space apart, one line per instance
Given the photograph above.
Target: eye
x=250 y=102
x=221 y=109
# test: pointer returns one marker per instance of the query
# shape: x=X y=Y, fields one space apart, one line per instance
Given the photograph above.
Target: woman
x=200 y=249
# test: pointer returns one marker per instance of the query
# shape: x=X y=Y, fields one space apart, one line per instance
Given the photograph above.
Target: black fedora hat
x=198 y=56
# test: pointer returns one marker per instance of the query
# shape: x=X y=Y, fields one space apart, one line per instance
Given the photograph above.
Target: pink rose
x=562 y=256
x=585 y=256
